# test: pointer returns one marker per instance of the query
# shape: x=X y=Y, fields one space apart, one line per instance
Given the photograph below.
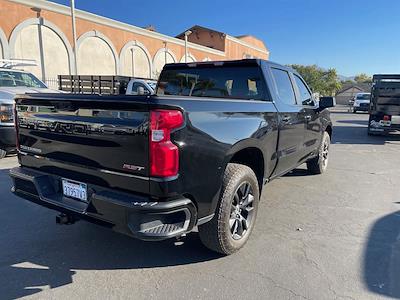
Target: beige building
x=42 y=30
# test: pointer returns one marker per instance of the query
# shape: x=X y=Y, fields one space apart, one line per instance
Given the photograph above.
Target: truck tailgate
x=93 y=139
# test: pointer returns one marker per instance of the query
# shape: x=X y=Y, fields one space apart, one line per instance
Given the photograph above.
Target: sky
x=353 y=36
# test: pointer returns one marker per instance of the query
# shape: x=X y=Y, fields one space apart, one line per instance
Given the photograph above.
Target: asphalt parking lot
x=335 y=236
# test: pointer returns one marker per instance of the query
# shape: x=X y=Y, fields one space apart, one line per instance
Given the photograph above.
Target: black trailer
x=384 y=111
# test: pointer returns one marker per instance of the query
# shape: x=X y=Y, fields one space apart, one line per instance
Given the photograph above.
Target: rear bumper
x=378 y=126
x=361 y=108
x=7 y=138
x=134 y=215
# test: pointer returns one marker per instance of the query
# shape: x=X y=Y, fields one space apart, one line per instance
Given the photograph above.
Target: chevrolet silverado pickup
x=196 y=154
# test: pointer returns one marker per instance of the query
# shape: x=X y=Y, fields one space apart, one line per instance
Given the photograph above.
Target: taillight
x=386 y=118
x=16 y=126
x=164 y=155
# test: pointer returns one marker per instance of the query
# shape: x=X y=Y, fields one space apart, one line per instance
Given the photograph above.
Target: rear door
x=291 y=122
x=312 y=123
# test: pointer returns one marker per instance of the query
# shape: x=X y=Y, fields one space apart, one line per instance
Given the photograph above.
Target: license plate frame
x=74 y=189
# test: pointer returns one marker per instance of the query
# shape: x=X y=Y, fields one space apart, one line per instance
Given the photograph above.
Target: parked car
x=384 y=115
x=361 y=102
x=106 y=85
x=14 y=82
x=197 y=153
x=139 y=86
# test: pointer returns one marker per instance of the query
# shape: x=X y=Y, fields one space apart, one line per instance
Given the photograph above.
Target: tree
x=322 y=81
x=347 y=81
x=362 y=78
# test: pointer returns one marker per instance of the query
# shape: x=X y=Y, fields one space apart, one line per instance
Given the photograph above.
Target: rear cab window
x=232 y=82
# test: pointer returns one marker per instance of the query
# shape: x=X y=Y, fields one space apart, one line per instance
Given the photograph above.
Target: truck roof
x=240 y=62
x=13 y=70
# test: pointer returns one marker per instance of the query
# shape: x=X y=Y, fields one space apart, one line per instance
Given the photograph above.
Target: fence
x=52 y=83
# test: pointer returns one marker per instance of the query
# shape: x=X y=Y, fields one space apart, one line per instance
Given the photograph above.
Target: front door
x=312 y=137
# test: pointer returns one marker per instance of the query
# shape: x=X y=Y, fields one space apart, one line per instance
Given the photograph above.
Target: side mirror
x=140 y=90
x=326 y=102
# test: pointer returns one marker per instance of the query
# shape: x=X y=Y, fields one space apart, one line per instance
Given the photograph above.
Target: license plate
x=74 y=189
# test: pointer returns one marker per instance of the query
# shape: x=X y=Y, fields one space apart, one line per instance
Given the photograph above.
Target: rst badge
x=132 y=167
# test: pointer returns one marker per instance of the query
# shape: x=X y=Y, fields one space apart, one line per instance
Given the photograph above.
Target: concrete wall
x=96 y=55
x=42 y=44
x=189 y=58
x=4 y=49
x=135 y=60
x=162 y=57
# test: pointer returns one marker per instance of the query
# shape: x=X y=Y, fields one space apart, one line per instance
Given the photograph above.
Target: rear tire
x=236 y=211
x=354 y=110
x=319 y=164
x=3 y=153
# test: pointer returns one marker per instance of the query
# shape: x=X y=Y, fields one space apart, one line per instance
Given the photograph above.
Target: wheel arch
x=249 y=155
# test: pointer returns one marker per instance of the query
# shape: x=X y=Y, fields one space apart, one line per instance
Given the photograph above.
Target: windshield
x=11 y=78
x=152 y=84
x=211 y=81
x=363 y=96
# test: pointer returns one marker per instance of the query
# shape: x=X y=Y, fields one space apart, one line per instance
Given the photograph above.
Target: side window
x=284 y=86
x=135 y=88
x=305 y=95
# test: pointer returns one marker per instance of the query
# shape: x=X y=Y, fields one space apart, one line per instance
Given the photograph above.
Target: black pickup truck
x=196 y=154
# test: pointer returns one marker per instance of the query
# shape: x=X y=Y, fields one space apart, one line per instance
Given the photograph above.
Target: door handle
x=308 y=118
x=286 y=119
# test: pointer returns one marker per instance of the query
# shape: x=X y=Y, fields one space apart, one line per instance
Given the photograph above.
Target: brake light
x=16 y=126
x=386 y=118
x=164 y=155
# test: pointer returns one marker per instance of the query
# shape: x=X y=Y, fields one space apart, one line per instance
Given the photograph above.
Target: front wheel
x=236 y=211
x=319 y=164
x=3 y=153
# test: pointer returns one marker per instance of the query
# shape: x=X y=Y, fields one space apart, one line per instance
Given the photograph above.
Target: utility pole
x=187 y=33
x=74 y=35
x=133 y=61
x=165 y=52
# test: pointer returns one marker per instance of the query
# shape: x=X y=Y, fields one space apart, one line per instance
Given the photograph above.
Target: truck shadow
x=358 y=135
x=36 y=252
x=382 y=257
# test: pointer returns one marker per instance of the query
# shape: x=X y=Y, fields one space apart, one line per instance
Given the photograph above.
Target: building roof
x=363 y=87
x=247 y=40
x=200 y=28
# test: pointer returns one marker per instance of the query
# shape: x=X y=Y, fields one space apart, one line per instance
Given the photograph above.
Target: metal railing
x=52 y=83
